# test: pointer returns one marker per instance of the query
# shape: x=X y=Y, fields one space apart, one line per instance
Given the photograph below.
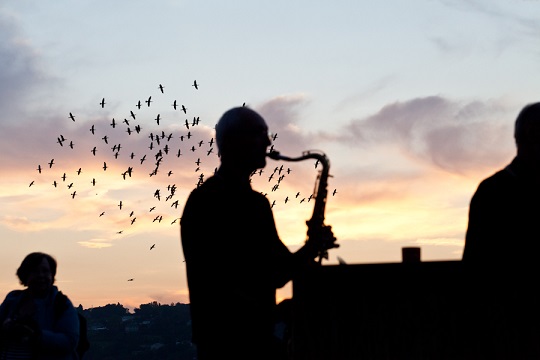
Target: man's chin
x=262 y=164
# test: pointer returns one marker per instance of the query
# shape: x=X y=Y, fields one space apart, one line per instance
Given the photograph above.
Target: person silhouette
x=502 y=246
x=32 y=326
x=235 y=260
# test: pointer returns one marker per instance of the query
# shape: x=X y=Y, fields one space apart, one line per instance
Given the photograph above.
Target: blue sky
x=413 y=103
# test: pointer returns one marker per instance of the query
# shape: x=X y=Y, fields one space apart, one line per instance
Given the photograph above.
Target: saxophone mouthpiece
x=273 y=155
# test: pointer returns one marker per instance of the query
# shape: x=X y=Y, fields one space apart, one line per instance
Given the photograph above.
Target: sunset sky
x=413 y=102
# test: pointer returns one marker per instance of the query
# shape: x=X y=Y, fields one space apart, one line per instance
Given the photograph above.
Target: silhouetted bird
x=195 y=84
x=102 y=103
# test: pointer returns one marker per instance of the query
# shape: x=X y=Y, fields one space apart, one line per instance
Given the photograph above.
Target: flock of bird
x=190 y=145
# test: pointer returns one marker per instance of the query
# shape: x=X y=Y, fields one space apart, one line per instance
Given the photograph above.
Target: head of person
x=37 y=272
x=527 y=133
x=242 y=139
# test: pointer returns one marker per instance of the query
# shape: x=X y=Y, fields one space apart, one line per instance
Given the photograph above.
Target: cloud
x=21 y=73
x=95 y=244
x=15 y=222
x=282 y=116
x=457 y=136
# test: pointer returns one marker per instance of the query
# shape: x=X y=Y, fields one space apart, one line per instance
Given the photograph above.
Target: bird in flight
x=92 y=129
x=149 y=101
x=39 y=168
x=138 y=104
x=32 y=183
x=174 y=104
x=113 y=123
x=195 y=84
x=153 y=246
x=130 y=279
x=71 y=116
x=104 y=166
x=51 y=163
x=102 y=103
x=120 y=205
x=160 y=88
x=184 y=109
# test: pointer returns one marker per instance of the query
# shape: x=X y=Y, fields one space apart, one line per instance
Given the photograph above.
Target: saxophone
x=316 y=222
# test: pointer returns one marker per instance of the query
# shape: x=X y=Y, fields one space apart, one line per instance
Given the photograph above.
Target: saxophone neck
x=309 y=154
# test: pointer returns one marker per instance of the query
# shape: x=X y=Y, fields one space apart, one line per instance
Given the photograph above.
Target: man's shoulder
x=14 y=295
x=12 y=298
x=500 y=177
x=502 y=183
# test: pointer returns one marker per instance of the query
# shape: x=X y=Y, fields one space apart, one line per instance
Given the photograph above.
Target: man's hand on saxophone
x=320 y=240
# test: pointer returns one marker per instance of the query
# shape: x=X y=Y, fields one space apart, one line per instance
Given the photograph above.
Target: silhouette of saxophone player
x=234 y=257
